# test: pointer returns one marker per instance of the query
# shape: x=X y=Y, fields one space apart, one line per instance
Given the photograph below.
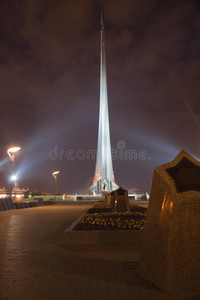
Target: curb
x=70 y=228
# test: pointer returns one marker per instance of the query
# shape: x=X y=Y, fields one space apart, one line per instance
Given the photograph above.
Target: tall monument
x=104 y=176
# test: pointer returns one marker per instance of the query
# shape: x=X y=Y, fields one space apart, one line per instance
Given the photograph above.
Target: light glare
x=14 y=149
x=56 y=172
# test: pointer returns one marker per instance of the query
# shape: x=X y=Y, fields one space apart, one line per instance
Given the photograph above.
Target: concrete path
x=33 y=266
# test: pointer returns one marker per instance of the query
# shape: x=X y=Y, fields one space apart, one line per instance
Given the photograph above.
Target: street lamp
x=55 y=174
x=11 y=152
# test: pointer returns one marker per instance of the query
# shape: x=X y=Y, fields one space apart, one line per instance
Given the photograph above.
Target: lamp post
x=11 y=152
x=55 y=174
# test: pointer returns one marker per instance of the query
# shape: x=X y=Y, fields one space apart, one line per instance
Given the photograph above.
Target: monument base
x=102 y=187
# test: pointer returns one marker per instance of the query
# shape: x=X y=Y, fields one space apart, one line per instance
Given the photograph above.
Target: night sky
x=49 y=87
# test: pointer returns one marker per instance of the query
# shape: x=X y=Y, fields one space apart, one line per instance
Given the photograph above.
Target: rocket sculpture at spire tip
x=102 y=22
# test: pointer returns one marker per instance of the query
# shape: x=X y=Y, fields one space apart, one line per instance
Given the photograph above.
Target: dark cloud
x=49 y=85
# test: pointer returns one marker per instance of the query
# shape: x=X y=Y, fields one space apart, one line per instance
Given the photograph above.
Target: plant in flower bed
x=112 y=221
x=105 y=208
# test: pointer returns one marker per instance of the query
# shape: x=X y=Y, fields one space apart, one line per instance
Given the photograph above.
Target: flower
x=112 y=221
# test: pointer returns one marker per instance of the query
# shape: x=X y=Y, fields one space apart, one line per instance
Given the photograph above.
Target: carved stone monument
x=170 y=255
x=108 y=198
x=121 y=202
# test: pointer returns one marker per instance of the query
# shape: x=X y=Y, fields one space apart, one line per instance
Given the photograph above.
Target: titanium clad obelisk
x=104 y=176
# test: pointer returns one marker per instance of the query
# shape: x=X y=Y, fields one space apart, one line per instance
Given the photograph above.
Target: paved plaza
x=34 y=266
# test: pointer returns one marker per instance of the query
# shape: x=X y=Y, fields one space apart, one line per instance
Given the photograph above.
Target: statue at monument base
x=102 y=187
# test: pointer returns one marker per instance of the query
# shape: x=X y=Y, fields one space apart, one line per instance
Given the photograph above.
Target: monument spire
x=104 y=176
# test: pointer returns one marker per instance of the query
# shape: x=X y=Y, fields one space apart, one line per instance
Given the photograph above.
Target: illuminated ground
x=32 y=266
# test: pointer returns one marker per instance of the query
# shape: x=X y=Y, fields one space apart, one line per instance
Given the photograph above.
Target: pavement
x=34 y=266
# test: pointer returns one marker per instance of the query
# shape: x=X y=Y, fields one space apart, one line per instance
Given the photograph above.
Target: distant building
x=138 y=196
x=17 y=192
x=3 y=192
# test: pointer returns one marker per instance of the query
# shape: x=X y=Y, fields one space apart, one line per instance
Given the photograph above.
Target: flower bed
x=104 y=208
x=112 y=221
